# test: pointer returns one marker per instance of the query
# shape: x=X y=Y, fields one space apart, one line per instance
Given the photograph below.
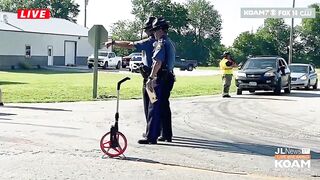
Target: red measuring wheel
x=113 y=146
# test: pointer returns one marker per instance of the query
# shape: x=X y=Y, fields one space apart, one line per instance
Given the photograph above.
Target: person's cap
x=148 y=23
x=160 y=23
x=226 y=53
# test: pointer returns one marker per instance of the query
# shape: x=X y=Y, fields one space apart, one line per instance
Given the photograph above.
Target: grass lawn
x=51 y=86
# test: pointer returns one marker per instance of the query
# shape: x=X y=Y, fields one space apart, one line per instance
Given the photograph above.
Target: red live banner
x=33 y=13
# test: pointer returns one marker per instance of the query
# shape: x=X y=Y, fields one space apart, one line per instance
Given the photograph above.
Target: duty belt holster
x=165 y=75
x=145 y=71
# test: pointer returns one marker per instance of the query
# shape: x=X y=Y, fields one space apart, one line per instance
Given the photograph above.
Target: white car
x=303 y=76
x=135 y=63
x=105 y=59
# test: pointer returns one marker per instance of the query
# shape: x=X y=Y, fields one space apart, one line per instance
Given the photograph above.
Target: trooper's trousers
x=166 y=120
x=159 y=114
x=146 y=100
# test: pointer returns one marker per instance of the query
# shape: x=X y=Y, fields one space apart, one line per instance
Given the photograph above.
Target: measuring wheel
x=113 y=146
x=114 y=143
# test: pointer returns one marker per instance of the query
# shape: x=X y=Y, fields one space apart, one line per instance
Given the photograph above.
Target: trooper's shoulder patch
x=159 y=45
x=155 y=44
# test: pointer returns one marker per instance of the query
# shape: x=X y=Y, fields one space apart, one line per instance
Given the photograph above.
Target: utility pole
x=291 y=36
x=85 y=12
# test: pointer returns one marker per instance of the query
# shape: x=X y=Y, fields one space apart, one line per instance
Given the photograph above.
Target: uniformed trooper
x=146 y=47
x=161 y=81
x=226 y=65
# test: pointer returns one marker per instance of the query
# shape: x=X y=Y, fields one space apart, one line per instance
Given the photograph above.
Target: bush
x=24 y=65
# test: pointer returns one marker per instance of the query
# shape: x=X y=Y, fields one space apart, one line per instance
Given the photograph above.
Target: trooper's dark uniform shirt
x=146 y=47
x=165 y=51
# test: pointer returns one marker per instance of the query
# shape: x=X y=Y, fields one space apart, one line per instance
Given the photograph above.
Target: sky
x=107 y=12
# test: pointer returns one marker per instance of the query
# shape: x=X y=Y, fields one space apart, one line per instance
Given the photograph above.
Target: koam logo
x=292 y=158
x=292 y=164
x=33 y=13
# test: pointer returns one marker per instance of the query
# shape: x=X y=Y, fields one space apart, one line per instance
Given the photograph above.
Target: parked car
x=135 y=63
x=303 y=76
x=105 y=59
x=264 y=73
x=184 y=64
x=126 y=59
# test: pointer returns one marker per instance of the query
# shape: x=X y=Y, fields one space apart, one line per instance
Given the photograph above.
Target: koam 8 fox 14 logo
x=33 y=13
x=292 y=158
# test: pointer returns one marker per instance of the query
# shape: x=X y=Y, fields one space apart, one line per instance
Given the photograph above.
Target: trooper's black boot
x=165 y=139
x=146 y=141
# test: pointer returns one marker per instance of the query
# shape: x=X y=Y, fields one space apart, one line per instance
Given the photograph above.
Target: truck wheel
x=315 y=86
x=118 y=65
x=239 y=91
x=105 y=65
x=190 y=67
x=90 y=66
x=277 y=90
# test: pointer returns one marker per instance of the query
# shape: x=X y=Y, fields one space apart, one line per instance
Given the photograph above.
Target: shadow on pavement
x=306 y=94
x=232 y=147
x=37 y=108
x=6 y=119
x=7 y=114
x=133 y=159
x=257 y=97
x=140 y=160
x=40 y=125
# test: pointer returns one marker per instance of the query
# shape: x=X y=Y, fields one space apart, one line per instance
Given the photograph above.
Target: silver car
x=303 y=76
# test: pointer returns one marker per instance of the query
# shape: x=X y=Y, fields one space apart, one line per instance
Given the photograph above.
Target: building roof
x=47 y=26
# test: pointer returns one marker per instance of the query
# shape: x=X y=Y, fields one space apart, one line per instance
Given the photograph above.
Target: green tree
x=205 y=24
x=205 y=21
x=66 y=9
x=142 y=9
x=196 y=35
x=175 y=13
x=276 y=36
x=310 y=38
x=124 y=30
x=246 y=44
x=270 y=39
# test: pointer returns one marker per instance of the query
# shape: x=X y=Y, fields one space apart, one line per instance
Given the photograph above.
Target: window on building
x=49 y=52
x=28 y=51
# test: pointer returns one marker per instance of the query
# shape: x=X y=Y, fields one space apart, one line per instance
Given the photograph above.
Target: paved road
x=215 y=138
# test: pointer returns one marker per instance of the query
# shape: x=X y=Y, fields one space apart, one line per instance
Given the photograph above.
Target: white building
x=43 y=42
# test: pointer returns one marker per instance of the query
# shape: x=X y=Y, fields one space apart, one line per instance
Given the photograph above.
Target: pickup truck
x=135 y=63
x=126 y=59
x=105 y=59
x=184 y=64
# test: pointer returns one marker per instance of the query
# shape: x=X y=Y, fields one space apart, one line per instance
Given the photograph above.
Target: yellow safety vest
x=224 y=68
